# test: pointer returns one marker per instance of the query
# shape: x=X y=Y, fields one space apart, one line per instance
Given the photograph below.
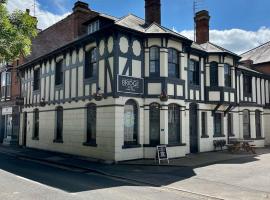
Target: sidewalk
x=185 y=174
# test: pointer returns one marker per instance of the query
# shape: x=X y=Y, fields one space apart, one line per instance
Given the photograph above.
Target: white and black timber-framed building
x=130 y=84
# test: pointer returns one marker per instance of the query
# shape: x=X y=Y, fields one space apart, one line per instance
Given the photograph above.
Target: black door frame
x=193 y=128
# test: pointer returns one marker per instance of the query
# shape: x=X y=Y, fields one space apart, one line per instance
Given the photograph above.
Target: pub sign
x=128 y=84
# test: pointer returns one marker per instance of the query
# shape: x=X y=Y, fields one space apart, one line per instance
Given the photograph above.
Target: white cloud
x=236 y=40
x=45 y=18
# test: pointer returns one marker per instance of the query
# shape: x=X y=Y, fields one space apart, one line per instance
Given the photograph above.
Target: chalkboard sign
x=128 y=84
x=162 y=153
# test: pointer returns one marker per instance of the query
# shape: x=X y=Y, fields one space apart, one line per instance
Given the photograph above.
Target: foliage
x=16 y=31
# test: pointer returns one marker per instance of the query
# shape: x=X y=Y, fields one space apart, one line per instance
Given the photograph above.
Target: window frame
x=258 y=122
x=153 y=106
x=227 y=75
x=59 y=124
x=35 y=125
x=59 y=72
x=176 y=138
x=36 y=81
x=155 y=60
x=220 y=132
x=214 y=79
x=91 y=65
x=171 y=61
x=230 y=125
x=204 y=124
x=245 y=123
x=91 y=112
x=6 y=85
x=247 y=80
x=194 y=73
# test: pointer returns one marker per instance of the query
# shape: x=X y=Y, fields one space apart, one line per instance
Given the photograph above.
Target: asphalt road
x=27 y=180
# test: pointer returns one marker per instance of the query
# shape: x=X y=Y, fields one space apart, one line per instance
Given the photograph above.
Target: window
x=5 y=84
x=130 y=123
x=37 y=79
x=204 y=124
x=154 y=61
x=91 y=63
x=154 y=115
x=93 y=27
x=36 y=124
x=194 y=72
x=218 y=129
x=246 y=124
x=247 y=85
x=230 y=124
x=214 y=74
x=91 y=123
x=227 y=76
x=174 y=124
x=258 y=123
x=59 y=73
x=173 y=63
x=59 y=125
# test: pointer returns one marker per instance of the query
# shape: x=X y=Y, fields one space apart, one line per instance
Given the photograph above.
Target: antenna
x=197 y=5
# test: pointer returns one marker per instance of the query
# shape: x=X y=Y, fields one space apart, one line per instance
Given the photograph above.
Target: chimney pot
x=152 y=11
x=202 y=19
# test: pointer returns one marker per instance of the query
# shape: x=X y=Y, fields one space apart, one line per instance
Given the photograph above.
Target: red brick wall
x=264 y=68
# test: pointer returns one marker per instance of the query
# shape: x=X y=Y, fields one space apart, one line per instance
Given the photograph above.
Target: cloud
x=45 y=18
x=236 y=40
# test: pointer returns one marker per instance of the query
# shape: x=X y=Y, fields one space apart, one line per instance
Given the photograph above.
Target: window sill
x=35 y=138
x=205 y=136
x=130 y=146
x=90 y=144
x=216 y=136
x=58 y=141
x=176 y=145
x=151 y=145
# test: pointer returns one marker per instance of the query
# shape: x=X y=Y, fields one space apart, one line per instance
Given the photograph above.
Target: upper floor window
x=93 y=27
x=194 y=72
x=154 y=61
x=5 y=84
x=227 y=76
x=247 y=85
x=214 y=74
x=37 y=79
x=91 y=63
x=173 y=63
x=59 y=73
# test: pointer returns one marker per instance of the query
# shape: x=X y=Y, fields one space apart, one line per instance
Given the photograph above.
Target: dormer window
x=93 y=27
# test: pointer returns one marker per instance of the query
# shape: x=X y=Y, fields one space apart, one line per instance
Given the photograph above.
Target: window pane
x=154 y=124
x=130 y=123
x=218 y=124
x=174 y=124
x=59 y=123
x=91 y=123
x=246 y=124
x=214 y=74
x=204 y=123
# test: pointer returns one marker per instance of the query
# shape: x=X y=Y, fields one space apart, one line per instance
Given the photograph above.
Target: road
x=29 y=180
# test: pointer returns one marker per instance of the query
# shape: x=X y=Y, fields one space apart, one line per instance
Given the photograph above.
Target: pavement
x=219 y=175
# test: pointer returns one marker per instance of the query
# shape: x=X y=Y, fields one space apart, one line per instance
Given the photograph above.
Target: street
x=27 y=180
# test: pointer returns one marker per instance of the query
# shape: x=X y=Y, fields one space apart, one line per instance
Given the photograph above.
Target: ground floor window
x=130 y=123
x=59 y=125
x=230 y=124
x=174 y=124
x=258 y=123
x=36 y=124
x=218 y=130
x=154 y=115
x=204 y=124
x=91 y=123
x=246 y=123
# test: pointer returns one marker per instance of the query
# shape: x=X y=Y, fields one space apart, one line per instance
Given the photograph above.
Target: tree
x=17 y=29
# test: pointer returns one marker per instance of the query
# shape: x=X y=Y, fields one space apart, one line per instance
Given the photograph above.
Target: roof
x=213 y=48
x=260 y=54
x=248 y=69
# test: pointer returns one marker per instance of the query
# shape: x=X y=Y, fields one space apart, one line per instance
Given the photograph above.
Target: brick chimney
x=80 y=6
x=202 y=19
x=152 y=11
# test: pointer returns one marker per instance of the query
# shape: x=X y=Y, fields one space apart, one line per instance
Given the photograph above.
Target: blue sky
x=226 y=14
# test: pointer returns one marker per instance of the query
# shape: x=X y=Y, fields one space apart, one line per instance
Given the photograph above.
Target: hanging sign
x=7 y=111
x=128 y=84
x=162 y=153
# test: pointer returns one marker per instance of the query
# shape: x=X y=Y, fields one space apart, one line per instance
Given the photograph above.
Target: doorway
x=193 y=128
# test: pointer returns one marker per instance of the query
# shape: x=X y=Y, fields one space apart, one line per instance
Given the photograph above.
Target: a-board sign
x=162 y=153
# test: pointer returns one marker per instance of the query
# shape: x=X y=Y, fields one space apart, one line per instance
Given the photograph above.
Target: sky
x=238 y=25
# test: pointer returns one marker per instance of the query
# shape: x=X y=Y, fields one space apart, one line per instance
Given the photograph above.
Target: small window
x=5 y=84
x=194 y=72
x=218 y=129
x=173 y=63
x=59 y=73
x=59 y=125
x=258 y=123
x=91 y=124
x=91 y=63
x=214 y=74
x=154 y=61
x=37 y=79
x=230 y=124
x=130 y=123
x=246 y=123
x=36 y=124
x=93 y=27
x=227 y=76
x=247 y=85
x=204 y=124
x=174 y=124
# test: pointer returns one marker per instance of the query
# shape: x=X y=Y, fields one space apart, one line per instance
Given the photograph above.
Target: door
x=193 y=128
x=24 y=135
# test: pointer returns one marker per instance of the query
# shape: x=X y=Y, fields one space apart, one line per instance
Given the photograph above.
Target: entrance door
x=24 y=129
x=193 y=128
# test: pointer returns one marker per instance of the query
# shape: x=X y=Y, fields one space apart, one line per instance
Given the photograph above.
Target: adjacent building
x=123 y=86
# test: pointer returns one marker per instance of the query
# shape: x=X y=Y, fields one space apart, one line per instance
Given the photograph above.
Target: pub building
x=127 y=85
